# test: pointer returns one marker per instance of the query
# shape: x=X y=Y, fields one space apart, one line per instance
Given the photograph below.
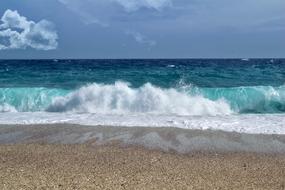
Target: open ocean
x=241 y=95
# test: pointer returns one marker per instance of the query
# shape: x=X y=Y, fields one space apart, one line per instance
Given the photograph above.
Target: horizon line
x=207 y=58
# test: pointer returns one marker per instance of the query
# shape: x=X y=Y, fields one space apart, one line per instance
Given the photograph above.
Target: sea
x=236 y=95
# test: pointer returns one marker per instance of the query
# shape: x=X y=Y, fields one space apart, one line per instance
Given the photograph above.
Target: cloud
x=103 y=12
x=16 y=32
x=134 y=5
x=110 y=13
x=128 y=5
x=140 y=38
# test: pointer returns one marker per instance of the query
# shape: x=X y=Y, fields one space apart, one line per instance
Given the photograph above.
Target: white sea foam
x=120 y=98
x=245 y=123
x=7 y=108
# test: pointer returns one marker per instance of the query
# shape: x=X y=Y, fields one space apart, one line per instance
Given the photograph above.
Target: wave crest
x=121 y=98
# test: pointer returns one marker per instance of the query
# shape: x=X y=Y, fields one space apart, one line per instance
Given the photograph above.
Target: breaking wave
x=121 y=98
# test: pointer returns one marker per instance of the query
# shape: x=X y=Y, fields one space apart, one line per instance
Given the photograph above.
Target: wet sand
x=43 y=157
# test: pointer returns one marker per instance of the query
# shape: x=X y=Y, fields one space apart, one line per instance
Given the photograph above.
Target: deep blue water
x=163 y=73
x=247 y=86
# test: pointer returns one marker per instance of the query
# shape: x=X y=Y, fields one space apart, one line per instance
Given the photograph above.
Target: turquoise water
x=127 y=86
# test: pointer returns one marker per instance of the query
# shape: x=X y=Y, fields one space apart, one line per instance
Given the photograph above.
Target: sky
x=98 y=29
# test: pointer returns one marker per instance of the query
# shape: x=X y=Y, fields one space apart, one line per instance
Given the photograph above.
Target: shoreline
x=158 y=138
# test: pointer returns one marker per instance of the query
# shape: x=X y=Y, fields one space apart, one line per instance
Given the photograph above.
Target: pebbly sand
x=44 y=157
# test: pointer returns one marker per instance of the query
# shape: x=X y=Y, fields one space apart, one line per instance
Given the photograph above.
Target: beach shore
x=74 y=157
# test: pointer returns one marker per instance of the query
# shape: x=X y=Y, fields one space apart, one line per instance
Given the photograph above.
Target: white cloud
x=134 y=5
x=128 y=5
x=140 y=38
x=103 y=12
x=16 y=32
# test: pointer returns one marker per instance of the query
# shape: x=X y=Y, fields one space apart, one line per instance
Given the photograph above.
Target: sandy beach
x=38 y=166
x=37 y=157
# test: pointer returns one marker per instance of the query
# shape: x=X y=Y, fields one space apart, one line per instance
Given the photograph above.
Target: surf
x=121 y=98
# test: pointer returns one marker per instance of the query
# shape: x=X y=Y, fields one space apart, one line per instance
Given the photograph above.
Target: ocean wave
x=121 y=98
x=251 y=99
x=28 y=99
